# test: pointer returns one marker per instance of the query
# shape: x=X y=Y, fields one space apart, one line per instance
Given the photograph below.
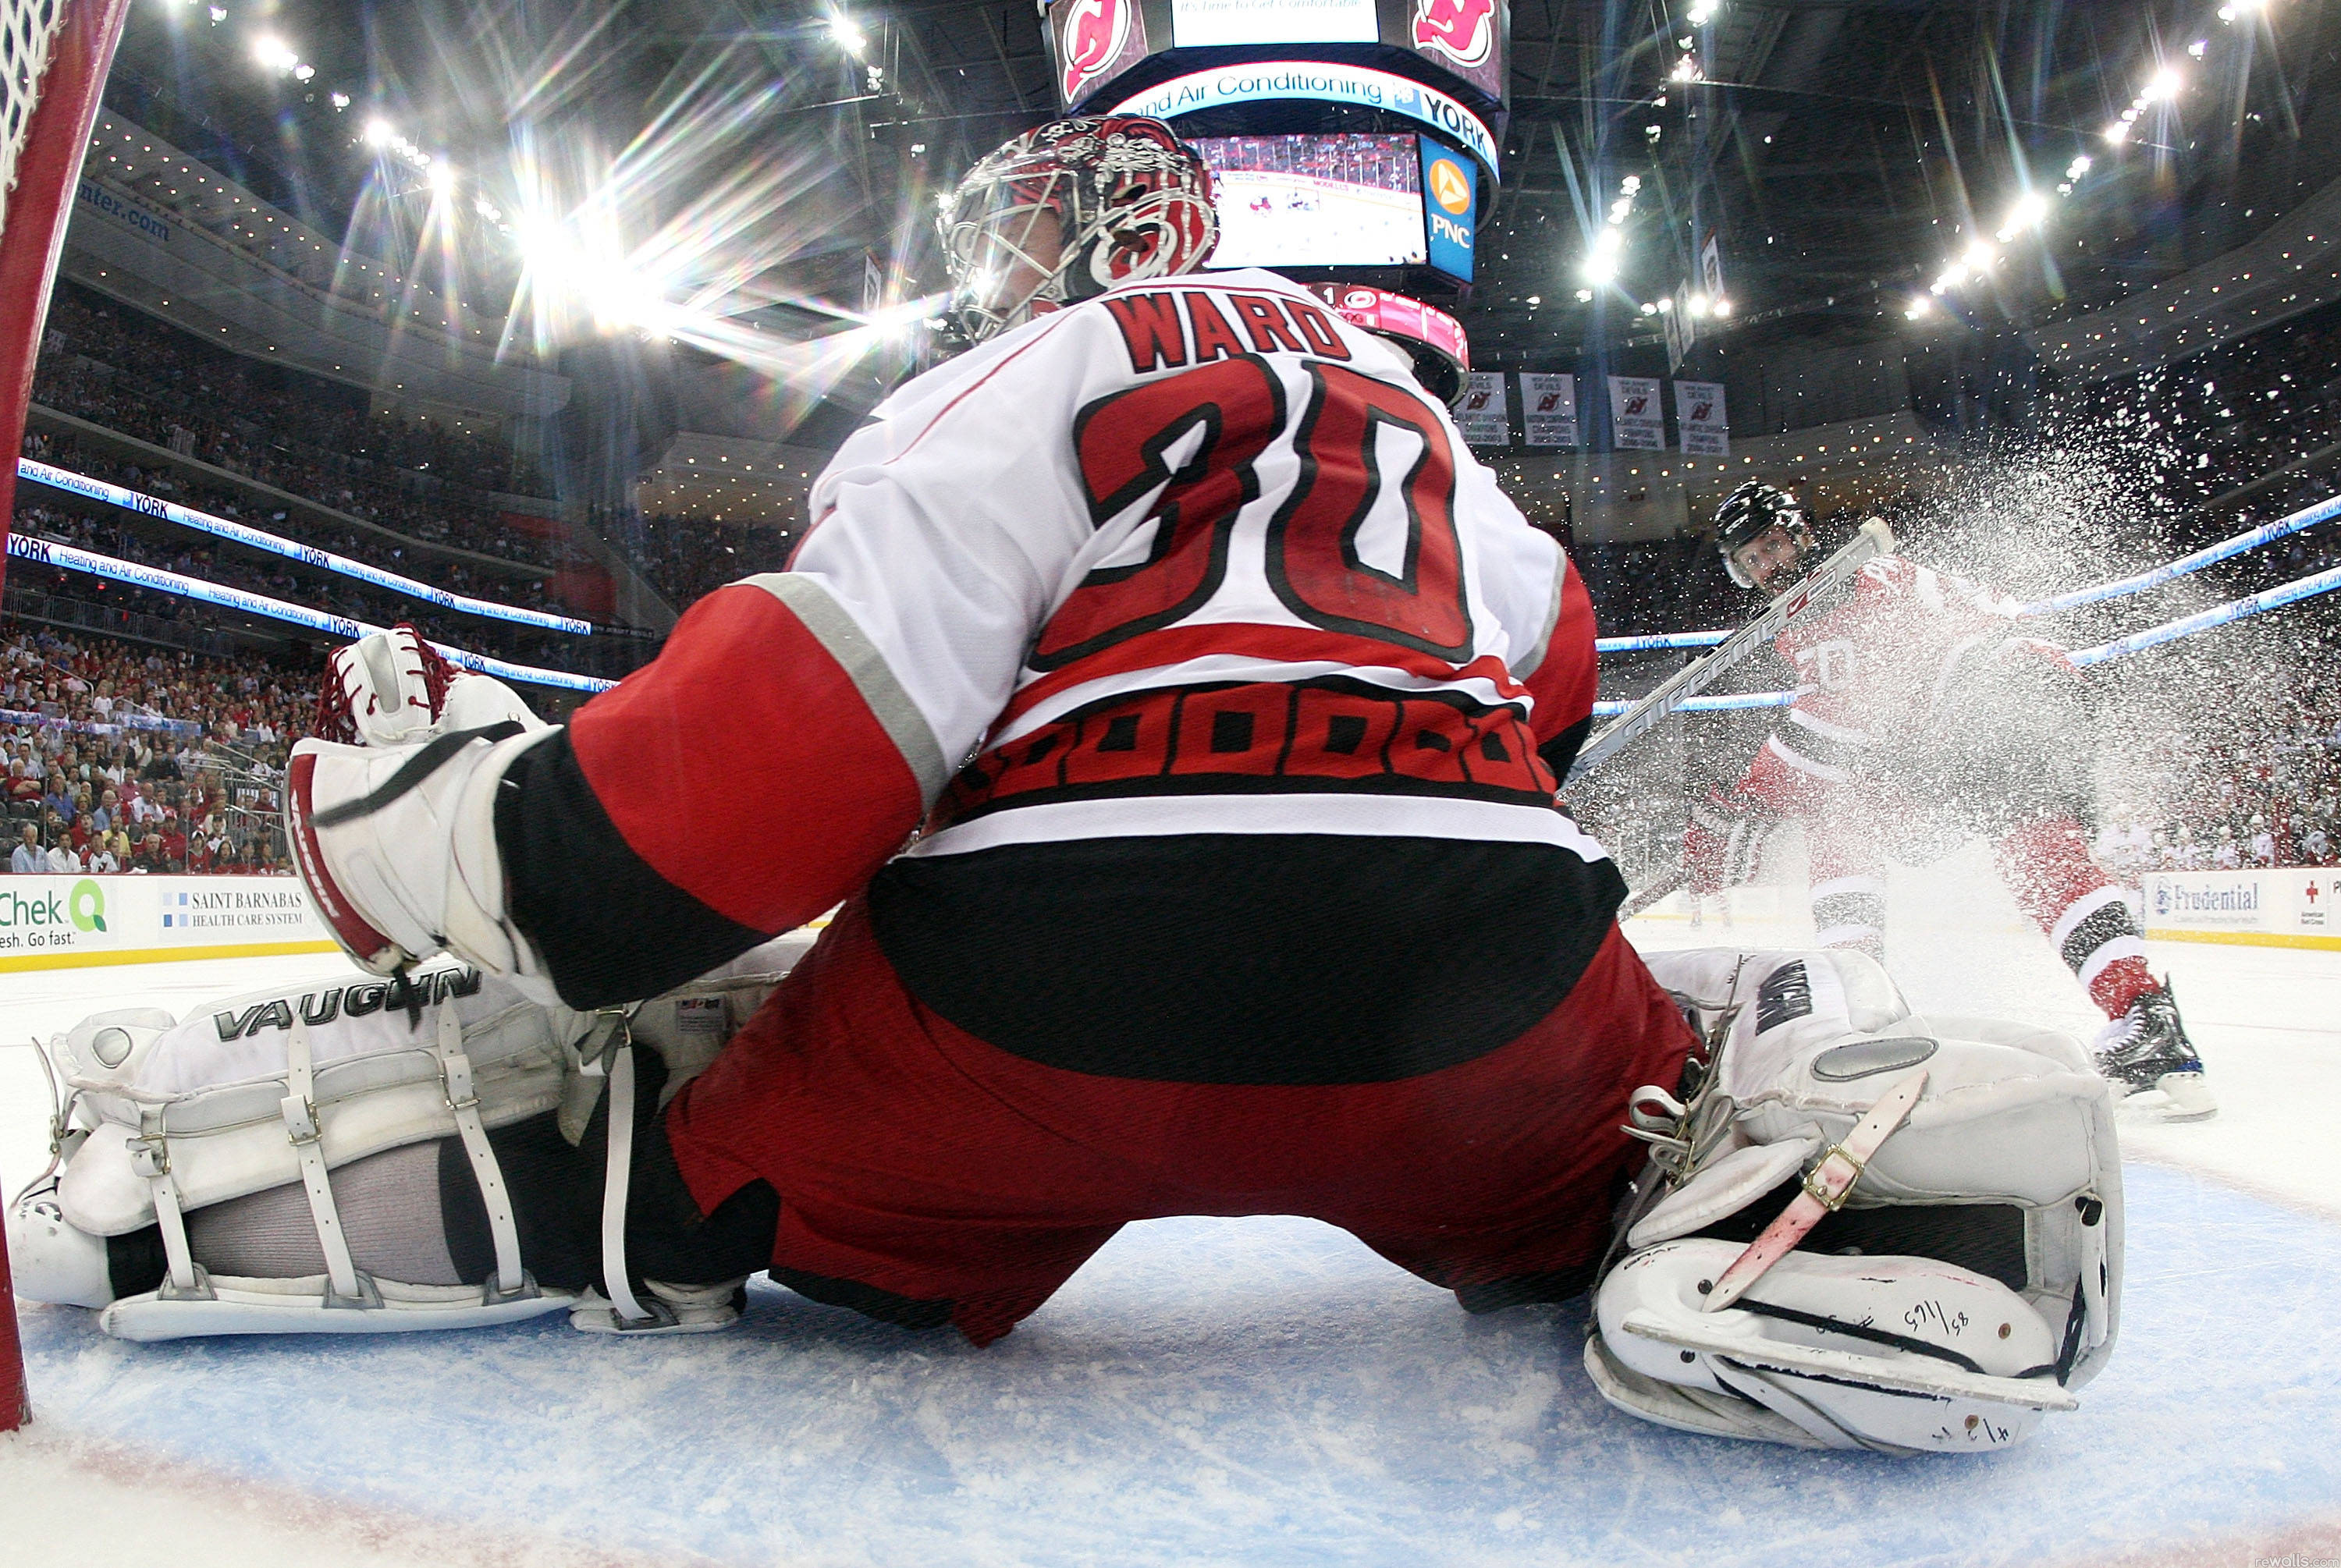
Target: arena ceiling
x=1849 y=154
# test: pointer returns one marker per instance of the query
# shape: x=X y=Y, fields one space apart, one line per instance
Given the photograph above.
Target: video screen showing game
x=1346 y=200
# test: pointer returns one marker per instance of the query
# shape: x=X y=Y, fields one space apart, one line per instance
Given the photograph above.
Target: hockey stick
x=1641 y=898
x=1874 y=539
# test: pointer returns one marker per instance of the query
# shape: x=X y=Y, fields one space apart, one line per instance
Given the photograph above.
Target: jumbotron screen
x=1348 y=200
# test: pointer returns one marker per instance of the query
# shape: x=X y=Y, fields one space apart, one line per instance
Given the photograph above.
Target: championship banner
x=1548 y=408
x=1485 y=414
x=1638 y=421
x=1699 y=418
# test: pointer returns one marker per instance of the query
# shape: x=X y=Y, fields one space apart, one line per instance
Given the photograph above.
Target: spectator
x=28 y=855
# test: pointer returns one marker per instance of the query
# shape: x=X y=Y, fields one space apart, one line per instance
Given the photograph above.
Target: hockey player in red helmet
x=1170 y=708
x=1923 y=713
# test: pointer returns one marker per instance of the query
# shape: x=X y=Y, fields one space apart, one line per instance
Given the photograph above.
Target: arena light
x=846 y=35
x=338 y=99
x=1919 y=306
x=2029 y=212
x=273 y=52
x=1702 y=11
x=1686 y=70
x=2165 y=86
x=2117 y=132
x=1600 y=267
x=380 y=132
x=2077 y=167
x=441 y=176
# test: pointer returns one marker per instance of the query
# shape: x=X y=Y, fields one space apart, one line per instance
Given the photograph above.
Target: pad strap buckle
x=1830 y=1183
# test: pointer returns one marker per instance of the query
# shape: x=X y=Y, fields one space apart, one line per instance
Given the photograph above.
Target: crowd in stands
x=687 y=556
x=127 y=759
x=221 y=501
x=195 y=555
x=105 y=363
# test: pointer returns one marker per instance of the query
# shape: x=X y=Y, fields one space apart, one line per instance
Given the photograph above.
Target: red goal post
x=54 y=55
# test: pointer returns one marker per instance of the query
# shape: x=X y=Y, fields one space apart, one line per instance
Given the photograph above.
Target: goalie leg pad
x=1934 y=1286
x=1900 y=1354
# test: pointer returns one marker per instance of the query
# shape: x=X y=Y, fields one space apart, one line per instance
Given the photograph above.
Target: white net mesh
x=28 y=32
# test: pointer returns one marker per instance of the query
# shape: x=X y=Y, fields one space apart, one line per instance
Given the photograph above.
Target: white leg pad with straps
x=1864 y=1227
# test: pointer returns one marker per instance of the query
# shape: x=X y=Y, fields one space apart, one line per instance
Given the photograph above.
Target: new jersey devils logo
x=1462 y=30
x=1095 y=32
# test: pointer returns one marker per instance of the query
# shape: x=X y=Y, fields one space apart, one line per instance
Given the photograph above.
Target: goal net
x=54 y=55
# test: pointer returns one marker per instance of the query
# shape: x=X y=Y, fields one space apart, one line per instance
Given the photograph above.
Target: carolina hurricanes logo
x=1095 y=32
x=1462 y=30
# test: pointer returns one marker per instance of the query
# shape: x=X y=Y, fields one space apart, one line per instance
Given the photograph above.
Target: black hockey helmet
x=1748 y=513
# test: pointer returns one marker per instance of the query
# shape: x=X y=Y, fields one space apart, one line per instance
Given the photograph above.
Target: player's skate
x=395 y=839
x=53 y=1260
x=2147 y=1051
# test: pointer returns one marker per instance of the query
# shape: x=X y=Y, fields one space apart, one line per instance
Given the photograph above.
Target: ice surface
x=1214 y=1391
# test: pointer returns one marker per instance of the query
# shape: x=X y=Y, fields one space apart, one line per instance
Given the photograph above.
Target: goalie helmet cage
x=54 y=55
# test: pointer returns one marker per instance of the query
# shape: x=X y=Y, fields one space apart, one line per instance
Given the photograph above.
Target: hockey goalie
x=1170 y=709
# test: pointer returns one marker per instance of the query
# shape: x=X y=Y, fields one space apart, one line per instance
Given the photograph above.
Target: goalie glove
x=392 y=815
x=393 y=688
x=1723 y=845
x=1865 y=1228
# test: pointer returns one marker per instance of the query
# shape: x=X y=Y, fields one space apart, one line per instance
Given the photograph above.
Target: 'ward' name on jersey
x=1173 y=328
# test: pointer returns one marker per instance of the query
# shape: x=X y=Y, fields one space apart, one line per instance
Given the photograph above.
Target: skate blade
x=2175 y=1098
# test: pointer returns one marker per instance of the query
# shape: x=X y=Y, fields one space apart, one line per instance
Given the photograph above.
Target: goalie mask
x=1068 y=210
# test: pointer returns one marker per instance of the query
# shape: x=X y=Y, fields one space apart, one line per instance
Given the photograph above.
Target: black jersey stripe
x=1246 y=958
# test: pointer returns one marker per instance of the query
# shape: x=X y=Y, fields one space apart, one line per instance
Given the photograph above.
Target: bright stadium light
x=847 y=36
x=2030 y=212
x=273 y=52
x=2117 y=132
x=380 y=132
x=1702 y=11
x=2163 y=87
x=1601 y=264
x=441 y=176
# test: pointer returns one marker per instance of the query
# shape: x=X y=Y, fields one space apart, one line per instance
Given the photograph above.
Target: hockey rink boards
x=1237 y=1392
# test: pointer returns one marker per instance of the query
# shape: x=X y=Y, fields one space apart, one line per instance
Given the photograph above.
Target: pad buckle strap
x=150 y=1156
x=1825 y=1190
x=346 y=1286
x=1830 y=1183
x=510 y=1282
x=300 y=1118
